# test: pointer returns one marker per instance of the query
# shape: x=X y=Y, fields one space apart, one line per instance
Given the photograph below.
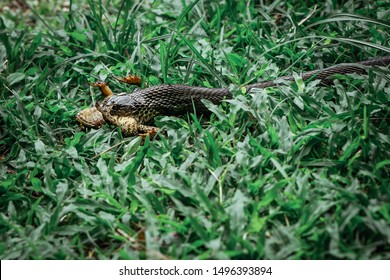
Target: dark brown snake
x=133 y=111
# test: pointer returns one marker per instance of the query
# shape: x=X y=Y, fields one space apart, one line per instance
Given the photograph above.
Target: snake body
x=133 y=111
x=171 y=100
x=325 y=74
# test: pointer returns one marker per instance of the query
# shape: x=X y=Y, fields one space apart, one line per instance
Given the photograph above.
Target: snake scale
x=134 y=111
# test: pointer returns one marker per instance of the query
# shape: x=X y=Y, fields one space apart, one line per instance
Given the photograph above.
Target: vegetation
x=299 y=171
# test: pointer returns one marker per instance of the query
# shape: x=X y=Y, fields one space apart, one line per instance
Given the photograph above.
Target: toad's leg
x=146 y=129
x=131 y=80
x=130 y=127
x=104 y=88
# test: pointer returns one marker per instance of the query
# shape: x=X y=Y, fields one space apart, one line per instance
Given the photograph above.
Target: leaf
x=72 y=152
x=37 y=112
x=299 y=102
x=266 y=199
x=299 y=82
x=61 y=189
x=36 y=184
x=15 y=77
x=132 y=147
x=382 y=163
x=66 y=50
x=79 y=36
x=257 y=223
x=40 y=147
x=236 y=210
x=237 y=60
x=76 y=139
x=37 y=41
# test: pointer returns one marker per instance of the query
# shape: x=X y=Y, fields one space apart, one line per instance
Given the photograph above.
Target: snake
x=134 y=112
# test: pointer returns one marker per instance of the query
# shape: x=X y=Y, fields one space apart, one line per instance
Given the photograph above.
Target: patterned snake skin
x=325 y=74
x=145 y=104
x=167 y=100
x=133 y=112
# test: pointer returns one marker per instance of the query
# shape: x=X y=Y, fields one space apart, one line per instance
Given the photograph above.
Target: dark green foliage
x=295 y=172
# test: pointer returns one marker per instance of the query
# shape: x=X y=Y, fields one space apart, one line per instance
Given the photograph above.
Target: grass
x=295 y=172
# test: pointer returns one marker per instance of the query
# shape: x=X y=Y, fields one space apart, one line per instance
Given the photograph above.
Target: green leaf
x=256 y=223
x=66 y=50
x=300 y=83
x=79 y=36
x=236 y=210
x=40 y=147
x=15 y=77
x=36 y=184
x=237 y=60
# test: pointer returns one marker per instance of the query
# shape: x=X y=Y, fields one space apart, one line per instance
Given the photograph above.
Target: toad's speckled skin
x=90 y=117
